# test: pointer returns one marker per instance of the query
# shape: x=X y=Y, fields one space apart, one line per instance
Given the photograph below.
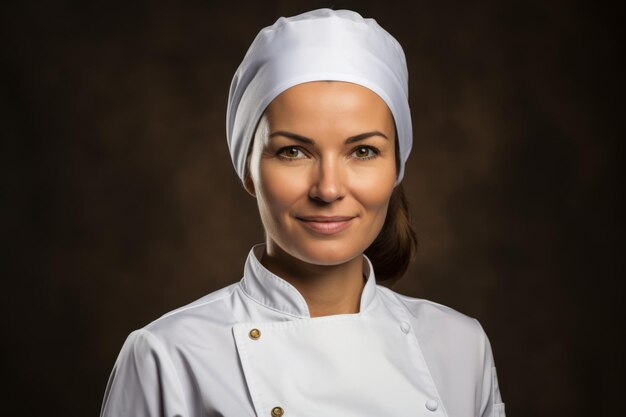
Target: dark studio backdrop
x=120 y=203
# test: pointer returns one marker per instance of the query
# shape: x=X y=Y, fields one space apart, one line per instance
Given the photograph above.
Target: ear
x=248 y=184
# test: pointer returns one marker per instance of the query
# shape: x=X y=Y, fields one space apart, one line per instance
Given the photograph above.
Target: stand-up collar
x=276 y=293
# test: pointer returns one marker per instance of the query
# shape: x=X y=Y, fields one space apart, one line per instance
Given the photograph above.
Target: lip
x=326 y=225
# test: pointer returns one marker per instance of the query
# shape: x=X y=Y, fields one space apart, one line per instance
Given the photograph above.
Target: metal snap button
x=277 y=412
x=254 y=334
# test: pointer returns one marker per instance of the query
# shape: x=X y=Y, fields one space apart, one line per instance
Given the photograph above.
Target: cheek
x=279 y=188
x=373 y=189
x=375 y=202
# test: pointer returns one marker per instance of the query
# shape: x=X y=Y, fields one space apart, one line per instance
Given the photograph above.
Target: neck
x=327 y=289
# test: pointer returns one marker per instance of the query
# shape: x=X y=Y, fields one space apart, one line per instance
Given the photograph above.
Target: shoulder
x=437 y=322
x=208 y=315
x=208 y=302
x=427 y=311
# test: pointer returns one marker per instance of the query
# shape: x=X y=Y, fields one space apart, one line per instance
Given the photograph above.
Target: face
x=322 y=168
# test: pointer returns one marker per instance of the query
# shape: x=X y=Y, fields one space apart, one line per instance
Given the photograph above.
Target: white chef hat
x=322 y=44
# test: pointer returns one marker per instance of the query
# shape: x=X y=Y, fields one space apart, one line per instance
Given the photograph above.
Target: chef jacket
x=252 y=349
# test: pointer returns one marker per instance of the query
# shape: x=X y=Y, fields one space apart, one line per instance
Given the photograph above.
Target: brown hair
x=395 y=247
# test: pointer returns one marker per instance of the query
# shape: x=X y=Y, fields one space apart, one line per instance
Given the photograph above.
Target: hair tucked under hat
x=322 y=44
x=335 y=45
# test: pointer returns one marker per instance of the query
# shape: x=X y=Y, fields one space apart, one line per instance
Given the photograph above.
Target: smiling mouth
x=327 y=225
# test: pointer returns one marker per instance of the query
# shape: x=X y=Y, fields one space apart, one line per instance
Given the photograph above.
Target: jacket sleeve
x=143 y=382
x=491 y=404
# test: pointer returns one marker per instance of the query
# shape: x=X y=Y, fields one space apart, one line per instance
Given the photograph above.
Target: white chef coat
x=252 y=349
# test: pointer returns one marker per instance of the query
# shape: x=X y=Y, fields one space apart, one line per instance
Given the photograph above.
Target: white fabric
x=399 y=356
x=322 y=44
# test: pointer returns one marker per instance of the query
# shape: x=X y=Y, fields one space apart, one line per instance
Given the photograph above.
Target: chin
x=327 y=252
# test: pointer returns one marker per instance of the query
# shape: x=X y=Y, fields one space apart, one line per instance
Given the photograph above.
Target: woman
x=319 y=131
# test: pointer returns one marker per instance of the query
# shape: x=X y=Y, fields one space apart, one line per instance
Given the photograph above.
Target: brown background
x=120 y=202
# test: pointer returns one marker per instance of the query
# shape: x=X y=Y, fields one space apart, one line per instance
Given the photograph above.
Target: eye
x=290 y=152
x=365 y=152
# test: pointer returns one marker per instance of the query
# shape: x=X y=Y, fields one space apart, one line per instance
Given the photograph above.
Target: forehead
x=328 y=100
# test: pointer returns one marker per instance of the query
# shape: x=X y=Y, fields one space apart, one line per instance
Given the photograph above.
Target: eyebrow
x=349 y=140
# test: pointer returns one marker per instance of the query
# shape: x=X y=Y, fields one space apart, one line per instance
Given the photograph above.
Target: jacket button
x=405 y=326
x=255 y=334
x=432 y=404
x=277 y=412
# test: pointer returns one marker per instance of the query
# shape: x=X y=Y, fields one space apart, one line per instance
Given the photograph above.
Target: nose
x=328 y=182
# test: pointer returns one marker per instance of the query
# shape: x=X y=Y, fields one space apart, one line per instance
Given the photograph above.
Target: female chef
x=319 y=130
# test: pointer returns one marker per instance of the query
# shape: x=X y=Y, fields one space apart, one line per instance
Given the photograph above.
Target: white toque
x=322 y=44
